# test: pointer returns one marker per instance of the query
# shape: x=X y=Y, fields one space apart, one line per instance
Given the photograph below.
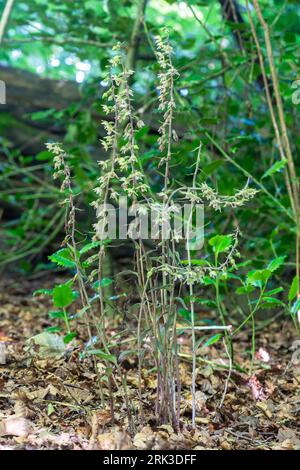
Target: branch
x=62 y=42
x=5 y=17
x=135 y=36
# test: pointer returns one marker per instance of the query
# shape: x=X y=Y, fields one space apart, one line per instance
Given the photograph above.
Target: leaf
x=184 y=313
x=220 y=243
x=293 y=289
x=89 y=246
x=63 y=258
x=62 y=296
x=295 y=307
x=68 y=338
x=212 y=340
x=106 y=281
x=269 y=302
x=43 y=291
x=259 y=277
x=274 y=291
x=42 y=156
x=50 y=409
x=208 y=302
x=53 y=329
x=244 y=290
x=56 y=314
x=103 y=355
x=275 y=168
x=41 y=114
x=276 y=263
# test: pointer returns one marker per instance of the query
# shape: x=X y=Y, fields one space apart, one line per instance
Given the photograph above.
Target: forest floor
x=53 y=403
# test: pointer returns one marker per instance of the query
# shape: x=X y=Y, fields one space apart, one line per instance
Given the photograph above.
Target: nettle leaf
x=293 y=289
x=220 y=243
x=212 y=340
x=275 y=168
x=63 y=258
x=103 y=355
x=258 y=278
x=62 y=296
x=89 y=247
x=276 y=263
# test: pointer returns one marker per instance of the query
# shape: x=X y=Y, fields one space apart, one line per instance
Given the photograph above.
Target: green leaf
x=275 y=168
x=63 y=258
x=293 y=289
x=89 y=246
x=62 y=296
x=56 y=314
x=212 y=340
x=103 y=355
x=184 y=313
x=295 y=307
x=245 y=290
x=53 y=329
x=43 y=291
x=68 y=338
x=42 y=114
x=272 y=300
x=50 y=409
x=220 y=243
x=106 y=281
x=274 y=291
x=258 y=278
x=276 y=263
x=42 y=156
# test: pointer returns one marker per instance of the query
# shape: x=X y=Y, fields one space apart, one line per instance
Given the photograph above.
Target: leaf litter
x=49 y=397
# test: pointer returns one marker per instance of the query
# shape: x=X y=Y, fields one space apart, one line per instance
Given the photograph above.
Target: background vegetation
x=237 y=63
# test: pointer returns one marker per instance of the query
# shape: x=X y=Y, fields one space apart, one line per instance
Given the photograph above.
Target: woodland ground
x=53 y=403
